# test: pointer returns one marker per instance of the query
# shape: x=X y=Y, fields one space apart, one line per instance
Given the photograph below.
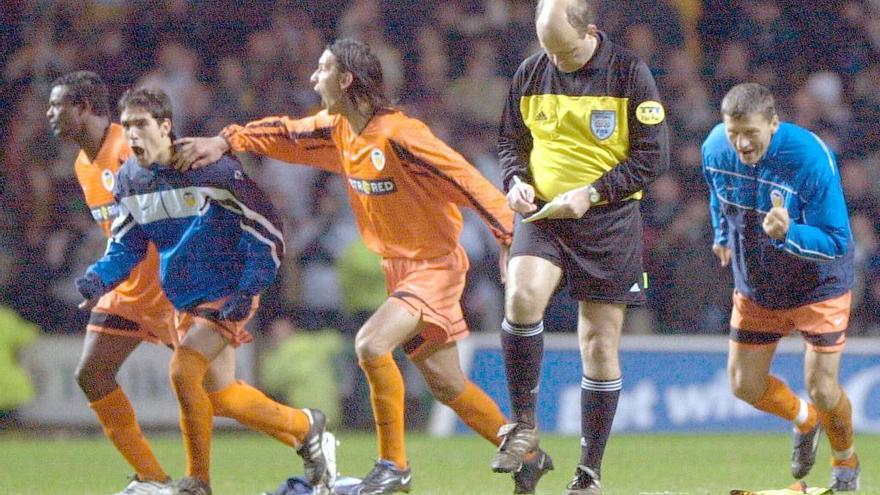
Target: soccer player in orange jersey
x=406 y=188
x=137 y=310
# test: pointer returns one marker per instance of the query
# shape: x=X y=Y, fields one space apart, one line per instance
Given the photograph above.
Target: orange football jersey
x=97 y=179
x=404 y=184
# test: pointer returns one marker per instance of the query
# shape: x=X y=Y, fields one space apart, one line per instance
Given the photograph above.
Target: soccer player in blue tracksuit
x=780 y=219
x=220 y=244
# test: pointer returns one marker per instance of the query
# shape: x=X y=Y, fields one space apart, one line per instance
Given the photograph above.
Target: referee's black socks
x=598 y=407
x=523 y=348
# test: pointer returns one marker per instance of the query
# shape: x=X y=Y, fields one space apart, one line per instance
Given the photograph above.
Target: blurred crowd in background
x=449 y=63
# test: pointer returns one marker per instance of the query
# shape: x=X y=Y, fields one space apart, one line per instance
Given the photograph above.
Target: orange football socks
x=120 y=424
x=838 y=425
x=779 y=400
x=188 y=369
x=254 y=409
x=479 y=411
x=386 y=395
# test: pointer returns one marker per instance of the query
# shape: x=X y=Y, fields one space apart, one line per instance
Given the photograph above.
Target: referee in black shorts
x=584 y=130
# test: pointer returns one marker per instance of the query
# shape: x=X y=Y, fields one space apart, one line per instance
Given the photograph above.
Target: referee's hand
x=521 y=197
x=574 y=203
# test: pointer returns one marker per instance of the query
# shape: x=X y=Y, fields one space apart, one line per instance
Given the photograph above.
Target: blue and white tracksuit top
x=815 y=261
x=216 y=232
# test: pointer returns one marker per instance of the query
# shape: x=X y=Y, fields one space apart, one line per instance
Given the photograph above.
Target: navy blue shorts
x=600 y=254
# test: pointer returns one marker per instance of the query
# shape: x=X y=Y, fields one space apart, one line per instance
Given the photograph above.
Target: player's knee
x=596 y=349
x=176 y=371
x=824 y=391
x=93 y=379
x=445 y=390
x=744 y=388
x=367 y=347
x=84 y=378
x=520 y=305
x=220 y=407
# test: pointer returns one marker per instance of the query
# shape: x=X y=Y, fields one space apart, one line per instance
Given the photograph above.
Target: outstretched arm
x=306 y=141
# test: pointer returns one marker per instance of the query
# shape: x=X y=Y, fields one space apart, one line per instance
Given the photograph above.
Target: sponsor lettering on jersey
x=373 y=187
x=104 y=213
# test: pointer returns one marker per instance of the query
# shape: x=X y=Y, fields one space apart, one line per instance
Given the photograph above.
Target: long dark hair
x=356 y=58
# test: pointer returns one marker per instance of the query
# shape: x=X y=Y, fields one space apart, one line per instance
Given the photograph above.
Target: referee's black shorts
x=600 y=254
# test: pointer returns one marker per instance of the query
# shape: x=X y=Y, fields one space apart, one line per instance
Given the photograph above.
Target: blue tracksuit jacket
x=216 y=232
x=815 y=261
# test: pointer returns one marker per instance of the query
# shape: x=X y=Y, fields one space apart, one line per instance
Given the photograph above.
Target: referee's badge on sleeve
x=650 y=112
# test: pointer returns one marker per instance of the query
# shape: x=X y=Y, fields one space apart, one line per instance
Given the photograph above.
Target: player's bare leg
x=102 y=356
x=599 y=329
x=390 y=326
x=835 y=414
x=750 y=380
x=530 y=284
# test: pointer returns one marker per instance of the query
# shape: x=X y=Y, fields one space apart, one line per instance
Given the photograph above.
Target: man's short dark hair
x=580 y=14
x=155 y=101
x=86 y=87
x=748 y=98
x=356 y=58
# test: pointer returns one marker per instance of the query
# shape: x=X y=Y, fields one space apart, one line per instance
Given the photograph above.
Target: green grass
x=245 y=463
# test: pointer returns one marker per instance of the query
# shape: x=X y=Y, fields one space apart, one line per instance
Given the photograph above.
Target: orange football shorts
x=206 y=313
x=431 y=288
x=822 y=324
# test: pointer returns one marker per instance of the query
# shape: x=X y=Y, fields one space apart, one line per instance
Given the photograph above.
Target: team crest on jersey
x=108 y=180
x=190 y=199
x=602 y=123
x=650 y=112
x=378 y=158
x=777 y=198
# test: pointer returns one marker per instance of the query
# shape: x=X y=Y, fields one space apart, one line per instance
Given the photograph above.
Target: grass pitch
x=247 y=464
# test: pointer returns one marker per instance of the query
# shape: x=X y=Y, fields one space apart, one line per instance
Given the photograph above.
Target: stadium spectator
x=780 y=221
